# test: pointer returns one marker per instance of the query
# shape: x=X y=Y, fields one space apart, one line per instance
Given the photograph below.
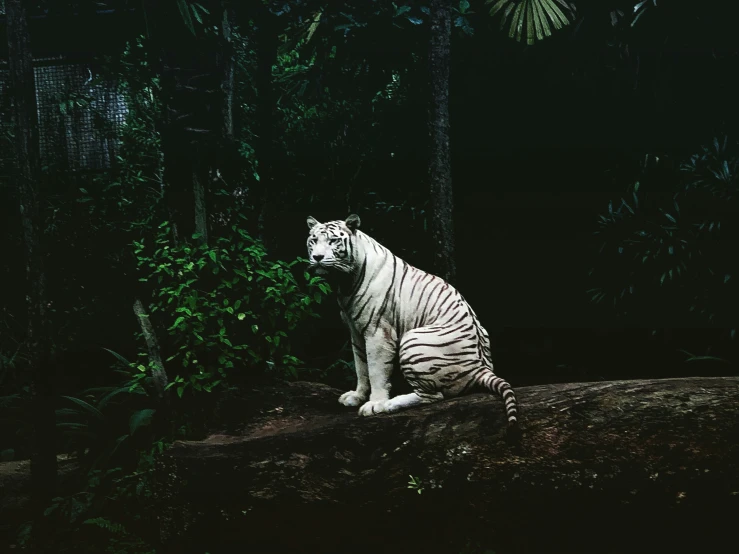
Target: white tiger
x=396 y=311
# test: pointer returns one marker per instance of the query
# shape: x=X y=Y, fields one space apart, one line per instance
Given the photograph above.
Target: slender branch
x=158 y=374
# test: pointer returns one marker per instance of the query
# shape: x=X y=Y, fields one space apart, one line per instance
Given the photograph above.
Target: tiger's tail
x=499 y=386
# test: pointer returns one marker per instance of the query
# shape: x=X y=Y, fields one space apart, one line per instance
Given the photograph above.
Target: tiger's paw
x=373 y=407
x=352 y=399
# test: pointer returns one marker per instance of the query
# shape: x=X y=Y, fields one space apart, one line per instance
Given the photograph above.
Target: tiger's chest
x=374 y=310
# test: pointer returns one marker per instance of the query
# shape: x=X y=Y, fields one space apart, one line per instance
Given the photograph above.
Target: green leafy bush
x=225 y=306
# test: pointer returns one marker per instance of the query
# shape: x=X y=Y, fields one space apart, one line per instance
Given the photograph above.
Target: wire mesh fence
x=80 y=114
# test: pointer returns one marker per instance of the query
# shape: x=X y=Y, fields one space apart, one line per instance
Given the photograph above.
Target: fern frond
x=532 y=20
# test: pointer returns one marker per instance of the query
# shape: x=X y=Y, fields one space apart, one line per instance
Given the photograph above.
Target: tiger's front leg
x=381 y=353
x=360 y=395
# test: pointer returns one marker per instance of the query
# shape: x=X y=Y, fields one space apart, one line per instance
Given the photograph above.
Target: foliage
x=224 y=306
x=225 y=309
x=90 y=225
x=102 y=419
x=83 y=520
x=129 y=200
x=313 y=79
x=415 y=484
x=668 y=250
x=191 y=11
x=111 y=503
x=532 y=20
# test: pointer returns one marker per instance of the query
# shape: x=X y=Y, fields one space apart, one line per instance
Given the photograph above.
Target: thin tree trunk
x=266 y=58
x=25 y=119
x=162 y=424
x=440 y=171
x=227 y=67
x=158 y=374
x=182 y=130
x=197 y=134
x=199 y=198
x=224 y=167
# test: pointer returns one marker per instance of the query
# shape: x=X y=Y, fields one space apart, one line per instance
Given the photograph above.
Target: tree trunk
x=440 y=170
x=266 y=40
x=192 y=123
x=644 y=466
x=25 y=119
x=158 y=373
x=197 y=134
x=227 y=66
x=199 y=197
x=225 y=168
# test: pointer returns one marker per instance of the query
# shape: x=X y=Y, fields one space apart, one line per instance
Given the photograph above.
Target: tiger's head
x=332 y=245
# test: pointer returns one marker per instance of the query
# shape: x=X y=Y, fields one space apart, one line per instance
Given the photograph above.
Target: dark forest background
x=182 y=146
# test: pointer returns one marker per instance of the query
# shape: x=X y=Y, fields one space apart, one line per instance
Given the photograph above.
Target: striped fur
x=396 y=312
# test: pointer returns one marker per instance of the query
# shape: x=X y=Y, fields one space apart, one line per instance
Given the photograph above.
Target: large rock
x=646 y=466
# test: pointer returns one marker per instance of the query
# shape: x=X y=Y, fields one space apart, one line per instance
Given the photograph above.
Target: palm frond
x=641 y=8
x=532 y=20
x=313 y=25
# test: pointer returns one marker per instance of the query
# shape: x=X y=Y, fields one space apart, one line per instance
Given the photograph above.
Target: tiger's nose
x=318 y=257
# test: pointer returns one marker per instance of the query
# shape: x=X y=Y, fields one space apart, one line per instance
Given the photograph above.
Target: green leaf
x=516 y=22
x=558 y=18
x=401 y=10
x=196 y=14
x=66 y=412
x=530 y=22
x=176 y=323
x=118 y=357
x=139 y=419
x=110 y=395
x=541 y=25
x=185 y=13
x=71 y=425
x=87 y=407
x=497 y=6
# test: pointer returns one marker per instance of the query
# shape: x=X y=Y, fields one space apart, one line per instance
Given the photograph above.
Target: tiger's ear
x=353 y=222
x=312 y=222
